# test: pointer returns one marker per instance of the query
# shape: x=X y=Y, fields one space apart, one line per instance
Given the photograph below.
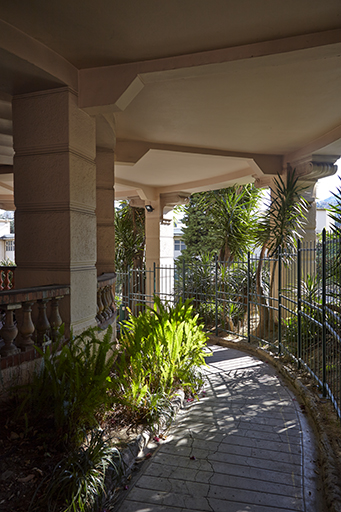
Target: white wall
x=5 y=227
x=323 y=221
x=166 y=241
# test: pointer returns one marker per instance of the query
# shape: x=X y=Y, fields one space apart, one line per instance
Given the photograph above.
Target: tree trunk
x=263 y=304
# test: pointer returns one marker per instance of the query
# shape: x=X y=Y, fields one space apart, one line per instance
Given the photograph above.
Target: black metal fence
x=291 y=303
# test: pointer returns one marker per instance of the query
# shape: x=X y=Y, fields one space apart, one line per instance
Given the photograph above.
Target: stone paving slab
x=244 y=447
x=198 y=474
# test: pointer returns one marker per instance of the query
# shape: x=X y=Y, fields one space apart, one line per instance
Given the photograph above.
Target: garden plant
x=69 y=408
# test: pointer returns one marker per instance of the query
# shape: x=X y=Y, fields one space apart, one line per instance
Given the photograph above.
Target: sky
x=326 y=186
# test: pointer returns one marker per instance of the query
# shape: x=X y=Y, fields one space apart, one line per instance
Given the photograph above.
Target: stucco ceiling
x=271 y=105
x=91 y=34
x=212 y=91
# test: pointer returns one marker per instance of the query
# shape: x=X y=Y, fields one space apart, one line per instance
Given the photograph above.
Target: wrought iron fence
x=291 y=303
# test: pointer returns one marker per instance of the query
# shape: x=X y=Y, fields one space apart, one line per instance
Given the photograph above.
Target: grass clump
x=77 y=481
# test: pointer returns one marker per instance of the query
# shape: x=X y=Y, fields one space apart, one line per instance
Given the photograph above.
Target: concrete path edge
x=138 y=446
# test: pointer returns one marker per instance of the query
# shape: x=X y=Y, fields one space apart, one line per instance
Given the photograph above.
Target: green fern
x=71 y=386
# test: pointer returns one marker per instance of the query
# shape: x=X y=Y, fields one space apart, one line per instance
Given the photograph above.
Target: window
x=179 y=245
x=9 y=245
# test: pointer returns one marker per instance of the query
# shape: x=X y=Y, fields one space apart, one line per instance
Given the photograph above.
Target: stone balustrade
x=7 y=278
x=20 y=331
x=106 y=310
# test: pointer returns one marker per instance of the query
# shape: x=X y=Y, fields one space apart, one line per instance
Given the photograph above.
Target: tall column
x=152 y=233
x=105 y=195
x=152 y=225
x=309 y=193
x=55 y=199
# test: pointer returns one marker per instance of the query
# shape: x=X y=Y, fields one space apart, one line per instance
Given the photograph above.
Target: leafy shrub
x=70 y=388
x=163 y=348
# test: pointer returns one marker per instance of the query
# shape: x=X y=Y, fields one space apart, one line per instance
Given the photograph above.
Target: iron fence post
x=183 y=279
x=280 y=301
x=324 y=284
x=299 y=305
x=128 y=287
x=248 y=298
x=216 y=294
x=154 y=279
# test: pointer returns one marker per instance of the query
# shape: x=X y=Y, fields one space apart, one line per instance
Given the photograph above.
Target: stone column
x=55 y=199
x=152 y=233
x=152 y=224
x=105 y=196
x=309 y=193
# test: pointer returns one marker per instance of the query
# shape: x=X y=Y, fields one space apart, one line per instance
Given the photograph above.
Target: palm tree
x=234 y=210
x=129 y=237
x=335 y=210
x=129 y=253
x=222 y=221
x=279 y=229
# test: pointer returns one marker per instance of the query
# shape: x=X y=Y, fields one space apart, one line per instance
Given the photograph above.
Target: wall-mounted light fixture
x=149 y=208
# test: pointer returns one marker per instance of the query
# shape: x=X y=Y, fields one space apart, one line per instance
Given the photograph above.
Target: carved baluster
x=108 y=289
x=112 y=298
x=43 y=325
x=13 y=282
x=100 y=317
x=55 y=318
x=27 y=328
x=7 y=280
x=9 y=331
x=106 y=300
x=105 y=303
x=2 y=276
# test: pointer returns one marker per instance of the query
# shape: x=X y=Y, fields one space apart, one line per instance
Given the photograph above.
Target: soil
x=27 y=458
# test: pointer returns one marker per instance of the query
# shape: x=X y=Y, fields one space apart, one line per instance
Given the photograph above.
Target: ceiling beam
x=105 y=86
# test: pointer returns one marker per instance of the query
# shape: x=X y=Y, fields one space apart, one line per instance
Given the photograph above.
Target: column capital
x=105 y=133
x=170 y=199
x=314 y=167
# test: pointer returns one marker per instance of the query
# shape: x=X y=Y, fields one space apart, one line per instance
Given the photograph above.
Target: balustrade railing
x=20 y=329
x=106 y=310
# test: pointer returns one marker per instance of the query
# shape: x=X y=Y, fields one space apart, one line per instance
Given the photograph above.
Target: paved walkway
x=245 y=446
